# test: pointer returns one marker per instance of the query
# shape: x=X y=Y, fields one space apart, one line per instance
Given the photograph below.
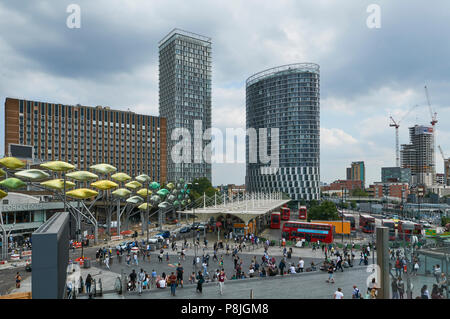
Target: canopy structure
x=246 y=207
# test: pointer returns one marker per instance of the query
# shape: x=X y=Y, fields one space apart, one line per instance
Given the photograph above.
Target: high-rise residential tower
x=287 y=98
x=185 y=97
x=419 y=155
x=358 y=172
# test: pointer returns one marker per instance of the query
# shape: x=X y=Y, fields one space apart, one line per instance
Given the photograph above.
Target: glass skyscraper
x=286 y=97
x=185 y=96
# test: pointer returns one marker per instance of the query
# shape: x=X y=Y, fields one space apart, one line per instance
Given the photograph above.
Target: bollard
x=251 y=294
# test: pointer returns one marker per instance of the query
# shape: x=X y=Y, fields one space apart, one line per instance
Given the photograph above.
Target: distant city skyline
x=366 y=74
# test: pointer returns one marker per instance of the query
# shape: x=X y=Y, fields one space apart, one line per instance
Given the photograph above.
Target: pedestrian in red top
x=221 y=278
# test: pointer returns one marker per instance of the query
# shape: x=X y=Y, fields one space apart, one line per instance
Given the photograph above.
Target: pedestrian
x=200 y=281
x=133 y=277
x=173 y=283
x=356 y=293
x=372 y=289
x=221 y=278
x=416 y=268
x=338 y=294
x=339 y=263
x=401 y=287
x=180 y=272
x=88 y=283
x=394 y=286
x=153 y=279
x=141 y=278
x=128 y=260
x=437 y=272
x=436 y=293
x=107 y=262
x=135 y=257
x=160 y=256
x=361 y=259
x=443 y=283
x=330 y=274
x=301 y=264
x=282 y=265
x=424 y=293
x=19 y=279
x=192 y=278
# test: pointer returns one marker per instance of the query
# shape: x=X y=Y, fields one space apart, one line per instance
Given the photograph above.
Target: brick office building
x=84 y=136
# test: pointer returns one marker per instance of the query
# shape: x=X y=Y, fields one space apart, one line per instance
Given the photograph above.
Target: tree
x=357 y=192
x=325 y=211
x=200 y=186
x=353 y=204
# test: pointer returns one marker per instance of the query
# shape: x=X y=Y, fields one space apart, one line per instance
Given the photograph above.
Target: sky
x=366 y=74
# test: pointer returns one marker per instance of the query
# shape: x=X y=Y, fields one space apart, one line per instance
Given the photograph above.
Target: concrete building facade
x=185 y=97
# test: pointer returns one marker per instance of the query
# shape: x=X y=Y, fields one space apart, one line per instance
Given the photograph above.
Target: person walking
x=88 y=283
x=221 y=278
x=401 y=287
x=135 y=258
x=339 y=263
x=173 y=283
x=180 y=272
x=330 y=274
x=356 y=294
x=282 y=265
x=107 y=262
x=394 y=286
x=18 y=280
x=128 y=260
x=424 y=293
x=437 y=273
x=338 y=294
x=301 y=265
x=200 y=281
x=141 y=278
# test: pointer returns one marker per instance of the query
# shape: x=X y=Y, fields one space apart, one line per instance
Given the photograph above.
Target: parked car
x=164 y=234
x=156 y=239
x=185 y=230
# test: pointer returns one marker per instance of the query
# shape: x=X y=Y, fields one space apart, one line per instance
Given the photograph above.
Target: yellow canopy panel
x=58 y=184
x=120 y=177
x=82 y=193
x=12 y=162
x=103 y=168
x=104 y=185
x=58 y=166
x=82 y=176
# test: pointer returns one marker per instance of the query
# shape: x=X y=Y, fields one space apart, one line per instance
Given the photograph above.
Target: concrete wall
x=50 y=258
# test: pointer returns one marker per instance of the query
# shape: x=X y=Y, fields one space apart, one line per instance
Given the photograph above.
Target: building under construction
x=419 y=155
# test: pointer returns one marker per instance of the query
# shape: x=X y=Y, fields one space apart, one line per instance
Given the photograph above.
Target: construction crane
x=442 y=153
x=433 y=123
x=397 y=125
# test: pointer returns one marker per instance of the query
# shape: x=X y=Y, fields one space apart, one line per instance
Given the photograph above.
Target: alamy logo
x=374 y=19
x=212 y=152
x=74 y=19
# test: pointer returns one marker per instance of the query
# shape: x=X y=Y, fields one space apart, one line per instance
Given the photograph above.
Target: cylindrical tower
x=287 y=98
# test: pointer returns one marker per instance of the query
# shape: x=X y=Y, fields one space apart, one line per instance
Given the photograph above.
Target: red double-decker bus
x=405 y=230
x=275 y=220
x=391 y=225
x=311 y=232
x=302 y=213
x=367 y=223
x=285 y=213
x=351 y=219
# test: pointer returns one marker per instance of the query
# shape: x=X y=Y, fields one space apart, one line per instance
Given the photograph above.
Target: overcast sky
x=366 y=74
